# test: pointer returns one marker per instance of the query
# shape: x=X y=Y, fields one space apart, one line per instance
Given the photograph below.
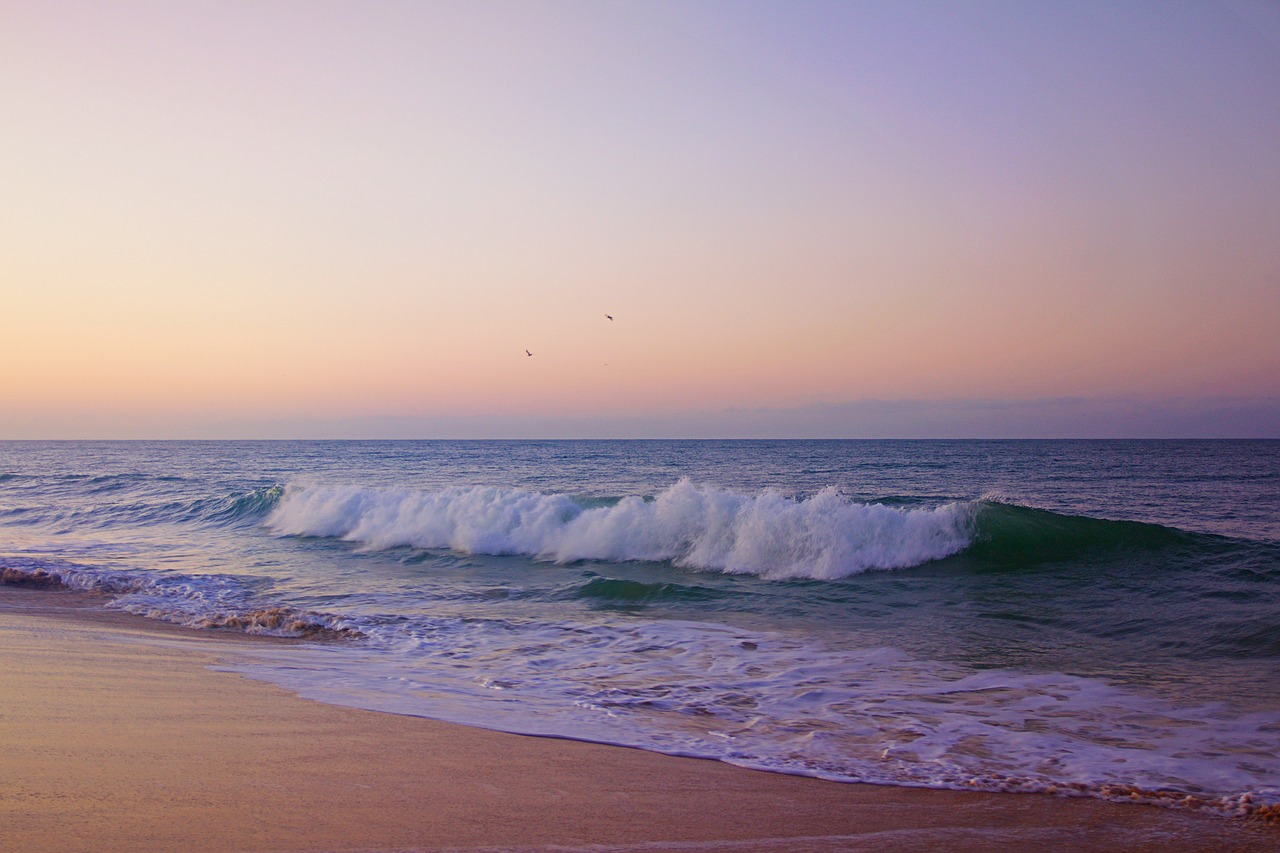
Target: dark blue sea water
x=1072 y=616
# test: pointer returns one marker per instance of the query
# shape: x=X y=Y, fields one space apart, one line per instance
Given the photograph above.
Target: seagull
x=609 y=316
x=526 y=352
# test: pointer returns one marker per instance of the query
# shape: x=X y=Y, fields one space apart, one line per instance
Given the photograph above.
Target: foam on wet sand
x=118 y=735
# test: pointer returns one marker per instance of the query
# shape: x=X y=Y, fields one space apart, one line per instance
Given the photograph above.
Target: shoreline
x=119 y=735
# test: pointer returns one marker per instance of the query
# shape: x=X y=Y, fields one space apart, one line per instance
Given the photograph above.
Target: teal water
x=1087 y=617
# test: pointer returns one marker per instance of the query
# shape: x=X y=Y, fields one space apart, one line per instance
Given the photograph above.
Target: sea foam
x=700 y=527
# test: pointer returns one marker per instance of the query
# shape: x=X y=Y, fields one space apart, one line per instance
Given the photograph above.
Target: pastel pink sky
x=278 y=219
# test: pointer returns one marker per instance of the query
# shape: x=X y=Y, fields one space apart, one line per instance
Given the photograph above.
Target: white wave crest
x=700 y=527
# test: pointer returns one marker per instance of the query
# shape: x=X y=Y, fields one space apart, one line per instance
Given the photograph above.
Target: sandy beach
x=117 y=734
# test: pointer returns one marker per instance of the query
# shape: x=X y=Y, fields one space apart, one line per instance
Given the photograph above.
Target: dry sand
x=115 y=734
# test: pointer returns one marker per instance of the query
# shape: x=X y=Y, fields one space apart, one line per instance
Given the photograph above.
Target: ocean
x=1087 y=618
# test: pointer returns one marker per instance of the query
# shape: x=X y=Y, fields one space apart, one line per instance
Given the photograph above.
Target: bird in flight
x=609 y=316
x=526 y=352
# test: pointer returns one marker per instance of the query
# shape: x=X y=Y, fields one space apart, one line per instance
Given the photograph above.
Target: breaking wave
x=700 y=527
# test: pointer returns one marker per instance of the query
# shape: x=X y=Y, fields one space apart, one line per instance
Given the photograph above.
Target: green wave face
x=1012 y=537
x=624 y=591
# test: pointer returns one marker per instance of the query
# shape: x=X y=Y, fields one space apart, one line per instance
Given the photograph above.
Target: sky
x=869 y=219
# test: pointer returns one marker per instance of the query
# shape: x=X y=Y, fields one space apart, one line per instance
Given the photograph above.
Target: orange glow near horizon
x=314 y=213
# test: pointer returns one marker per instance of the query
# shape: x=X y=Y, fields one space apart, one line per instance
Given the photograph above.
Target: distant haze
x=872 y=219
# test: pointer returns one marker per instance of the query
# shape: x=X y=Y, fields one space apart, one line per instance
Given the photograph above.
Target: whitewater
x=1080 y=618
x=767 y=534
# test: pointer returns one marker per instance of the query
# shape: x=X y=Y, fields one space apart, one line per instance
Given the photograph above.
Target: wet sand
x=115 y=734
